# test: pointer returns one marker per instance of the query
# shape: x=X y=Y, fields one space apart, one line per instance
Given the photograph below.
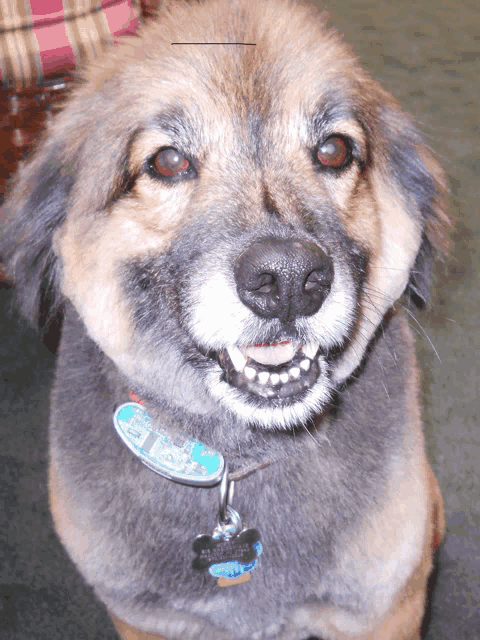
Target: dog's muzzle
x=282 y=279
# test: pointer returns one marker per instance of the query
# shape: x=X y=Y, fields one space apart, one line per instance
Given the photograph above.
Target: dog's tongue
x=272 y=354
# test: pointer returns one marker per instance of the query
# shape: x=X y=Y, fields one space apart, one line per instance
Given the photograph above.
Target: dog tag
x=231 y=552
x=231 y=560
x=182 y=460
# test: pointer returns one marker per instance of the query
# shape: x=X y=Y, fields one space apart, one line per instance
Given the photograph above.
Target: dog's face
x=231 y=221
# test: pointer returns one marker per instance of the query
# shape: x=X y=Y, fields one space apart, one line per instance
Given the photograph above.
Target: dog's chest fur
x=312 y=507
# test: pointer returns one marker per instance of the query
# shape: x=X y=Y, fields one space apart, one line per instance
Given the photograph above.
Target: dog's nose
x=283 y=279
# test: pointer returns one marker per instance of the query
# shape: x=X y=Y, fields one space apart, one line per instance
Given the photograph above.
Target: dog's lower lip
x=269 y=379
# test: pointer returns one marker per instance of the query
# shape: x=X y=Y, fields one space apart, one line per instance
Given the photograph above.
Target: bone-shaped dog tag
x=231 y=552
x=231 y=560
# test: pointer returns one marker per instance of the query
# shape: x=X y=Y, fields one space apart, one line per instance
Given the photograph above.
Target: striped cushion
x=44 y=37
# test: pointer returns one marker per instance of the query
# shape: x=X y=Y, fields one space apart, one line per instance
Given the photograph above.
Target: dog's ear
x=35 y=207
x=78 y=167
x=422 y=185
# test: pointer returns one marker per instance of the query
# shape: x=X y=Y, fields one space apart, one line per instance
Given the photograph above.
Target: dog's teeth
x=294 y=372
x=237 y=358
x=271 y=355
x=310 y=350
x=274 y=378
x=263 y=377
x=249 y=373
x=305 y=364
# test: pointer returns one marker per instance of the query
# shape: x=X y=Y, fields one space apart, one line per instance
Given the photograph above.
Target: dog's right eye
x=334 y=153
x=169 y=163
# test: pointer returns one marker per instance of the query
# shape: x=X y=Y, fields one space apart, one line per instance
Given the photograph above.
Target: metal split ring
x=226 y=495
x=229 y=521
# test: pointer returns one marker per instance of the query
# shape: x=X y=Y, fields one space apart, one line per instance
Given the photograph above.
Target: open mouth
x=278 y=370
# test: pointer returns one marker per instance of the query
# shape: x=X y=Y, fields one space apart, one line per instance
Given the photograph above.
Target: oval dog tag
x=181 y=459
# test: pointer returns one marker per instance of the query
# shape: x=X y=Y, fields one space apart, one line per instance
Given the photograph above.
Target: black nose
x=283 y=279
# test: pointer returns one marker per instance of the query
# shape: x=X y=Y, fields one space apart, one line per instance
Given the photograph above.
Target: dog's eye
x=169 y=163
x=334 y=153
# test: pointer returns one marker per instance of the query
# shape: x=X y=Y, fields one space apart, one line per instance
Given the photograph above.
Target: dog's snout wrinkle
x=283 y=278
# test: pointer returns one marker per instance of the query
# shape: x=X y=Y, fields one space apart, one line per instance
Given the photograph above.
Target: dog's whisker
x=423 y=332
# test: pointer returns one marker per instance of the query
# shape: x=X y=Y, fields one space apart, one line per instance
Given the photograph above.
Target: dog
x=232 y=215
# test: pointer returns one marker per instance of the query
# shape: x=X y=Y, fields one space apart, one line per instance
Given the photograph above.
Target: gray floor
x=428 y=55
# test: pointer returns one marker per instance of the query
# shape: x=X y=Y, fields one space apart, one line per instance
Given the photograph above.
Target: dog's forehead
x=231 y=58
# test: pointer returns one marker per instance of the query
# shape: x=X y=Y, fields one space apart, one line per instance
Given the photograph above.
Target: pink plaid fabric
x=41 y=37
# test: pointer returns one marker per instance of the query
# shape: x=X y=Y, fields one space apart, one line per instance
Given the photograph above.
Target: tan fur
x=128 y=632
x=67 y=516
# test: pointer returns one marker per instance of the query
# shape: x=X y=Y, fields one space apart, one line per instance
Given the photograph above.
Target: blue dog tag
x=231 y=559
x=183 y=460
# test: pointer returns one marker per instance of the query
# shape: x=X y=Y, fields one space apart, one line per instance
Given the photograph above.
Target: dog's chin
x=278 y=386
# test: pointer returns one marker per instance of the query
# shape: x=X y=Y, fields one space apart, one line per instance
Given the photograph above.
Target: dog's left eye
x=334 y=153
x=169 y=163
